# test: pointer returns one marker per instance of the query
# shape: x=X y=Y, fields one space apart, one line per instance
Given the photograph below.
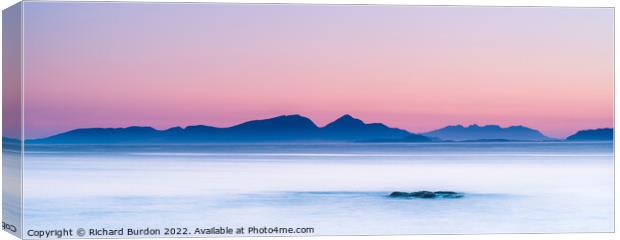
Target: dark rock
x=426 y=194
x=445 y=192
x=448 y=194
x=423 y=194
x=400 y=194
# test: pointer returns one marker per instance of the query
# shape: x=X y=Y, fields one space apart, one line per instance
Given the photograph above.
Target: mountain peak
x=346 y=116
x=348 y=127
x=282 y=122
x=345 y=121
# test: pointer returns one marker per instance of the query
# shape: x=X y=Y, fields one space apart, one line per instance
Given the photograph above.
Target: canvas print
x=211 y=119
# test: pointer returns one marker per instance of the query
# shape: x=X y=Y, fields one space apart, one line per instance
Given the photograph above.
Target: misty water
x=335 y=188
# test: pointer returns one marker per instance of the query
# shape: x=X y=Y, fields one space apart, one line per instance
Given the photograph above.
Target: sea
x=320 y=188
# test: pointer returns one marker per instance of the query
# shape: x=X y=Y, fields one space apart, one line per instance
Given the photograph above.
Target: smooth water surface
x=335 y=188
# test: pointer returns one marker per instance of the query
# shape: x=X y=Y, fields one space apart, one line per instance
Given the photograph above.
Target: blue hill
x=349 y=128
x=476 y=132
x=601 y=134
x=283 y=128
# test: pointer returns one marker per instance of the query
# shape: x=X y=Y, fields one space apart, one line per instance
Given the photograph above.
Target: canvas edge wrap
x=12 y=119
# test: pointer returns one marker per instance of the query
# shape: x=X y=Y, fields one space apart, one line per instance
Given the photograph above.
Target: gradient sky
x=413 y=67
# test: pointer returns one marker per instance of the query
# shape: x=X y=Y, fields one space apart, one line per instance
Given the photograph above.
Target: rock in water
x=426 y=194
x=423 y=194
x=399 y=194
x=449 y=194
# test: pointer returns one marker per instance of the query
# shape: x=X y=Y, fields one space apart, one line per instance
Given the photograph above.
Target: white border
x=567 y=3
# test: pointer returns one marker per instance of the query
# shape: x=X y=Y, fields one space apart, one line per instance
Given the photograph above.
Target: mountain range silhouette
x=291 y=128
x=295 y=128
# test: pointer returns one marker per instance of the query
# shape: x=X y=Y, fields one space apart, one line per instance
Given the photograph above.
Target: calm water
x=335 y=188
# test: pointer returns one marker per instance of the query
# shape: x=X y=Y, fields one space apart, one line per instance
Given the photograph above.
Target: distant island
x=488 y=133
x=601 y=134
x=297 y=128
x=285 y=128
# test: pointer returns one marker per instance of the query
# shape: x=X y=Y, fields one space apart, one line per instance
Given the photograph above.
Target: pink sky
x=416 y=68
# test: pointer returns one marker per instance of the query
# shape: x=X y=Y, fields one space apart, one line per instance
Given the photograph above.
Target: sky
x=414 y=67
